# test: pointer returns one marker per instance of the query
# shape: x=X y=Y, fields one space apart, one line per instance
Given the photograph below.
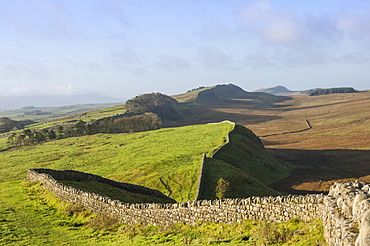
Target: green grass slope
x=168 y=160
x=246 y=167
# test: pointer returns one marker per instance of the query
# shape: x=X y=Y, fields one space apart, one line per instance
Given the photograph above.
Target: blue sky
x=122 y=48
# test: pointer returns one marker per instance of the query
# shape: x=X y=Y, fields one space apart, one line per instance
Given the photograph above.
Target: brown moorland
x=326 y=138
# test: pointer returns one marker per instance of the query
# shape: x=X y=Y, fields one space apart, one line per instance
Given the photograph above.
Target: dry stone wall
x=345 y=211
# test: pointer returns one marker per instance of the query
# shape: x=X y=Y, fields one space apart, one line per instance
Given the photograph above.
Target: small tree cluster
x=138 y=123
x=198 y=88
x=318 y=92
x=29 y=137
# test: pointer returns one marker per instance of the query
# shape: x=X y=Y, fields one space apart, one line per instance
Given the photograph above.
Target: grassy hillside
x=167 y=160
x=245 y=165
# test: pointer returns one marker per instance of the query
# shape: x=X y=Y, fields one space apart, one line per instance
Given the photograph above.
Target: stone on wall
x=345 y=211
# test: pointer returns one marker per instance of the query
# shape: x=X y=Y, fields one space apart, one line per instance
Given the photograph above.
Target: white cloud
x=41 y=19
x=125 y=58
x=261 y=20
x=172 y=63
x=214 y=58
x=113 y=8
x=18 y=68
x=285 y=37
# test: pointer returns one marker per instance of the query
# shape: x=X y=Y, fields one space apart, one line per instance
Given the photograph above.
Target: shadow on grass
x=317 y=166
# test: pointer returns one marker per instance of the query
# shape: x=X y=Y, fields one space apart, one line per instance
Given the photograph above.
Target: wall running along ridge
x=345 y=211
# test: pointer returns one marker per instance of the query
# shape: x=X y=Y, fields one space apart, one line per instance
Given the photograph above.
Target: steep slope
x=244 y=165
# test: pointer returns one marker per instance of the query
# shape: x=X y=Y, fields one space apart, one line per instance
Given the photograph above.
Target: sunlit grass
x=31 y=215
x=172 y=154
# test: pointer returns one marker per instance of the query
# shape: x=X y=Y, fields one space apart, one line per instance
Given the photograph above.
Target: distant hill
x=7 y=124
x=226 y=93
x=41 y=114
x=283 y=91
x=219 y=103
x=17 y=102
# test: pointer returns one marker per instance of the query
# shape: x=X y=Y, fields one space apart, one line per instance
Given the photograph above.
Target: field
x=337 y=147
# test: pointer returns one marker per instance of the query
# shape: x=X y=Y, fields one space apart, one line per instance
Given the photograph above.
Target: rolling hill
x=283 y=91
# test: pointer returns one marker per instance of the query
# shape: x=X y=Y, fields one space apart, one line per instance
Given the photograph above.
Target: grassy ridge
x=157 y=159
x=245 y=164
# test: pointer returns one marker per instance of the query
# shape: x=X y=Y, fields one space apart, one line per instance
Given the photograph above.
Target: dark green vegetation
x=137 y=123
x=30 y=215
x=318 y=92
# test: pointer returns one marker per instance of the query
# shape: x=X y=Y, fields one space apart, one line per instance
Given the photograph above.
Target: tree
x=60 y=132
x=11 y=140
x=30 y=137
x=221 y=188
x=52 y=135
